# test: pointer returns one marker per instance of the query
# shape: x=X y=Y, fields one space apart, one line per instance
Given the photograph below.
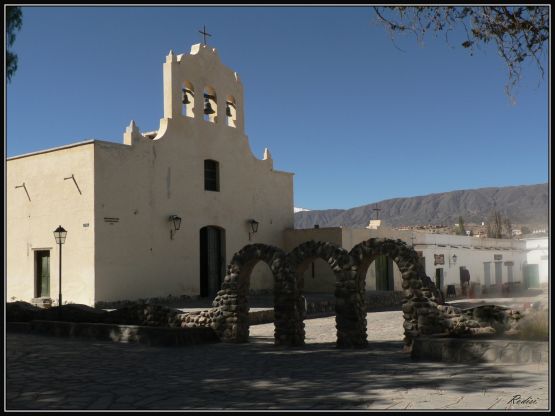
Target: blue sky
x=326 y=90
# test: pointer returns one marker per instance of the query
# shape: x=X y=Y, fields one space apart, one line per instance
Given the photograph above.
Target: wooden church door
x=212 y=260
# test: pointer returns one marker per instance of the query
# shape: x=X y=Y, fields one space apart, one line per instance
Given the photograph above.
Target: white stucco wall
x=472 y=253
x=144 y=182
x=538 y=253
x=53 y=201
x=129 y=191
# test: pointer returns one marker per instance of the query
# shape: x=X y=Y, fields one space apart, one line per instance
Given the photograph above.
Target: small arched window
x=210 y=105
x=188 y=99
x=211 y=175
x=231 y=111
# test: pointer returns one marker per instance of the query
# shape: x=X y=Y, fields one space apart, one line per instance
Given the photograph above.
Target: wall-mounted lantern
x=453 y=260
x=254 y=228
x=175 y=225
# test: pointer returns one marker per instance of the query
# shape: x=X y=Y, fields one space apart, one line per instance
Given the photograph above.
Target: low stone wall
x=482 y=320
x=152 y=336
x=200 y=319
x=468 y=350
x=261 y=317
x=384 y=299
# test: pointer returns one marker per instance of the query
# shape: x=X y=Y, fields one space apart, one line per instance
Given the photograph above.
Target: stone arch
x=346 y=294
x=232 y=324
x=421 y=296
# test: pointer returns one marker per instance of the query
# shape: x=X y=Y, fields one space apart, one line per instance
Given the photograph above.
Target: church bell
x=207 y=107
x=229 y=104
x=185 y=96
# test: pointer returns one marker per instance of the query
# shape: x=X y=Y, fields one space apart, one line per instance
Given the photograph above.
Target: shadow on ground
x=55 y=373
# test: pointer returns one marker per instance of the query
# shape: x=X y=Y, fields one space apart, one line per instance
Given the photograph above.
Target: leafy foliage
x=13 y=23
x=519 y=32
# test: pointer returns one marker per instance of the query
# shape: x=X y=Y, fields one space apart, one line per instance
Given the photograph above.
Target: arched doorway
x=212 y=260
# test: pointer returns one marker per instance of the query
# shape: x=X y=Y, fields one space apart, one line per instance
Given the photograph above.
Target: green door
x=439 y=278
x=531 y=276
x=42 y=287
x=384 y=273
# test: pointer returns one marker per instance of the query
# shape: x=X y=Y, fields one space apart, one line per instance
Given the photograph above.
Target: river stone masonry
x=232 y=325
x=349 y=324
x=484 y=320
x=229 y=317
x=421 y=295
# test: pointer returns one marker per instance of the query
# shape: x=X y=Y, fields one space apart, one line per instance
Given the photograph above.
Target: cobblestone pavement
x=60 y=373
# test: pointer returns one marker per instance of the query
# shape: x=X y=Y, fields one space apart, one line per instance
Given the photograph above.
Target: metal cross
x=377 y=211
x=204 y=33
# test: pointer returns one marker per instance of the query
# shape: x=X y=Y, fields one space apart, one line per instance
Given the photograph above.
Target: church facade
x=160 y=214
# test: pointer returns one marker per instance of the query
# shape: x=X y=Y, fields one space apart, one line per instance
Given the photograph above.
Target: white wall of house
x=475 y=254
x=538 y=253
x=51 y=198
x=470 y=252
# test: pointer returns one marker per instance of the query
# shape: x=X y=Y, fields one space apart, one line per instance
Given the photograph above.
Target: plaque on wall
x=439 y=259
x=498 y=256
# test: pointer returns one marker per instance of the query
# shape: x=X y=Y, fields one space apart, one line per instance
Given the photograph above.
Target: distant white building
x=537 y=258
x=447 y=258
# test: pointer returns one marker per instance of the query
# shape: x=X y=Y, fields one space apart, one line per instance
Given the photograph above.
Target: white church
x=162 y=213
x=155 y=216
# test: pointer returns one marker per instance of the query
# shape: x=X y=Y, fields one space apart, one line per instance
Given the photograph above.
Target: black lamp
x=453 y=260
x=175 y=224
x=60 y=236
x=254 y=227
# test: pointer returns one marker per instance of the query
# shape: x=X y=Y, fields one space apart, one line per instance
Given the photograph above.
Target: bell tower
x=200 y=89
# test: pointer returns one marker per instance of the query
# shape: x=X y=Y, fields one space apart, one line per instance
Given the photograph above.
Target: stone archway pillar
x=232 y=324
x=350 y=307
x=289 y=327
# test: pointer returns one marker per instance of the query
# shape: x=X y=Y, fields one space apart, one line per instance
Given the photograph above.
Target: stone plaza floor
x=49 y=373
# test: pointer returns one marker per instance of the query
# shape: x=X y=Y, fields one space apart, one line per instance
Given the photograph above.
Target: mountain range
x=525 y=205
